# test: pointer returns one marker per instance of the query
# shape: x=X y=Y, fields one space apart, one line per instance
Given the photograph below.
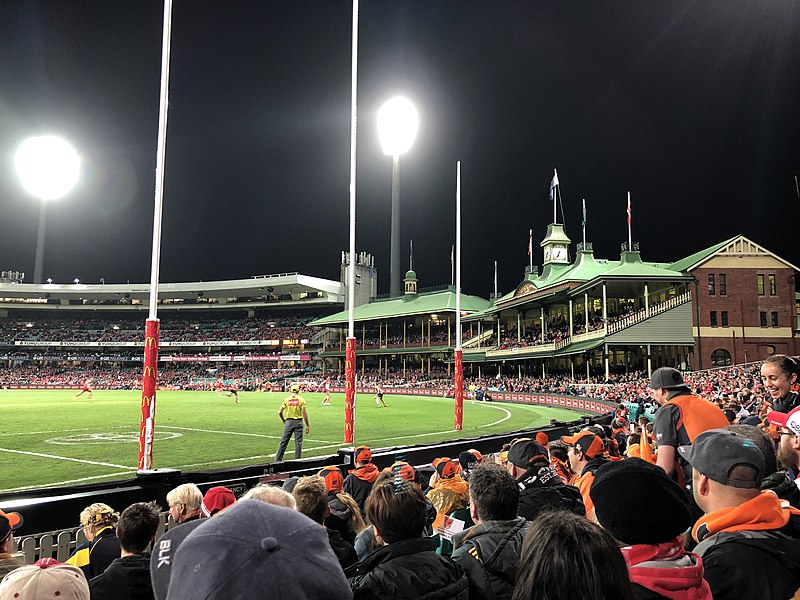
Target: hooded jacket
x=489 y=554
x=409 y=569
x=127 y=578
x=751 y=550
x=340 y=519
x=584 y=483
x=544 y=490
x=666 y=571
x=358 y=483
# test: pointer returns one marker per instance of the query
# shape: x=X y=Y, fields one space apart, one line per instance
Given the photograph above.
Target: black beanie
x=637 y=503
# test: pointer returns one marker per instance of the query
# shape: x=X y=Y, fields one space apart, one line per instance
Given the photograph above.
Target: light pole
x=397 y=127
x=48 y=168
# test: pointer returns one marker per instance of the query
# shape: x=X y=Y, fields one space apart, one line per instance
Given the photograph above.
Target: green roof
x=406 y=306
x=632 y=265
x=693 y=259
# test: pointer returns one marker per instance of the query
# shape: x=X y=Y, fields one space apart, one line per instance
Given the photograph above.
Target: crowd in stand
x=702 y=502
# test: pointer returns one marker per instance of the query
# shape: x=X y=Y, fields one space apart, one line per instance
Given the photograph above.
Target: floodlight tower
x=48 y=168
x=397 y=127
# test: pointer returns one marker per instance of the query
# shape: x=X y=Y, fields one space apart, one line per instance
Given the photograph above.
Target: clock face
x=559 y=252
x=547 y=251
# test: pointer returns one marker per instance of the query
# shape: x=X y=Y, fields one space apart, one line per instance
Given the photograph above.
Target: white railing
x=646 y=313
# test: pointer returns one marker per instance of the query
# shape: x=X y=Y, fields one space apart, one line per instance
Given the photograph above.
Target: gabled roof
x=632 y=265
x=690 y=261
x=408 y=305
x=738 y=245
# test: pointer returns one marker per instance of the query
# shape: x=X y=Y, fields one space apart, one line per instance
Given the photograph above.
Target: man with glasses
x=789 y=445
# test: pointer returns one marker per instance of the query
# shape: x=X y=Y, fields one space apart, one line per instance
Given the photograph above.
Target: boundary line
x=79 y=460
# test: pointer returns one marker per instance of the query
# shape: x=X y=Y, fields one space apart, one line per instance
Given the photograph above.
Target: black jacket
x=344 y=551
x=489 y=553
x=127 y=578
x=411 y=570
x=555 y=496
x=340 y=519
x=753 y=564
x=789 y=402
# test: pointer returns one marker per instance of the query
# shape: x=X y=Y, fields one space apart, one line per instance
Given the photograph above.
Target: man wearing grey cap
x=681 y=417
x=749 y=540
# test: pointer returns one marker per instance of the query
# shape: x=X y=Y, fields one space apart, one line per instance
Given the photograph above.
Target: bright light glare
x=397 y=125
x=47 y=166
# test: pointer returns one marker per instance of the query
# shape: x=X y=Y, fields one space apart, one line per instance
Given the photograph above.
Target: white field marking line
x=79 y=460
x=506 y=418
x=261 y=435
x=68 y=482
x=66 y=430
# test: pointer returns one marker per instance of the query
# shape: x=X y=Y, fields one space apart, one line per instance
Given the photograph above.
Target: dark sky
x=693 y=106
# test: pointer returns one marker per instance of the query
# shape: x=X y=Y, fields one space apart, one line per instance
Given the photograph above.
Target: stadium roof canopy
x=266 y=290
x=423 y=303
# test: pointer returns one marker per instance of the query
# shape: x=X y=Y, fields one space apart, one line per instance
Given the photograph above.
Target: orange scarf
x=763 y=513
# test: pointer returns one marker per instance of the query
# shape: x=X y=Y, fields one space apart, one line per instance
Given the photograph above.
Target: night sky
x=693 y=106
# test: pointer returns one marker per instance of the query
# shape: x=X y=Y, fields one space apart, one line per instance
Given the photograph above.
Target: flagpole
x=584 y=223
x=495 y=278
x=452 y=265
x=458 y=359
x=630 y=244
x=350 y=350
x=555 y=194
x=151 y=335
x=530 y=250
x=411 y=255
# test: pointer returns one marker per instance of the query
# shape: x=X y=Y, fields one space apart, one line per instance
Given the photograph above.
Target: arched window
x=721 y=358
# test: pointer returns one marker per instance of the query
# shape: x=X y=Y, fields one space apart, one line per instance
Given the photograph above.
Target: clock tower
x=555 y=245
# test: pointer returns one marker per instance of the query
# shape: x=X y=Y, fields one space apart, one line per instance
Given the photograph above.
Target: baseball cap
x=334 y=480
x=468 y=460
x=217 y=499
x=254 y=550
x=527 y=453
x=637 y=502
x=716 y=452
x=790 y=420
x=163 y=555
x=9 y=521
x=666 y=378
x=402 y=469
x=33 y=582
x=587 y=442
x=543 y=438
x=362 y=454
x=447 y=467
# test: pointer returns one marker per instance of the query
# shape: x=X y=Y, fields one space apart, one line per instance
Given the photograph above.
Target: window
x=723 y=284
x=713 y=318
x=711 y=285
x=760 y=284
x=774 y=318
x=724 y=316
x=721 y=358
x=763 y=317
x=773 y=286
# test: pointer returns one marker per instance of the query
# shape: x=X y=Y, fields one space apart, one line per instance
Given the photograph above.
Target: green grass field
x=51 y=439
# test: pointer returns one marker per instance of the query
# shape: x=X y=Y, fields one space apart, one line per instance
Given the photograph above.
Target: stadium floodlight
x=398 y=122
x=48 y=168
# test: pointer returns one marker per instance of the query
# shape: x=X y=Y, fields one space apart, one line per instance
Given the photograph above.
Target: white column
x=586 y=310
x=605 y=310
x=605 y=353
x=649 y=362
x=570 y=318
x=646 y=301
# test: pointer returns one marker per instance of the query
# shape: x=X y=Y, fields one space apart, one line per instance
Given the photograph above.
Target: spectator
x=345 y=515
x=449 y=491
x=216 y=500
x=468 y=461
x=682 y=416
x=778 y=374
x=407 y=566
x=184 y=503
x=128 y=577
x=45 y=580
x=542 y=488
x=9 y=523
x=311 y=496
x=99 y=523
x=559 y=460
x=358 y=482
x=252 y=550
x=786 y=484
x=747 y=538
x=271 y=494
x=568 y=558
x=489 y=551
x=648 y=513
x=585 y=452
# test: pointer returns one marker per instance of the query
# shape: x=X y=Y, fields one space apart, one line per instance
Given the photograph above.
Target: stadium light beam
x=398 y=122
x=48 y=168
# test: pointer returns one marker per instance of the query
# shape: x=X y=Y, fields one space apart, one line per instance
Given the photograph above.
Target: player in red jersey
x=86 y=389
x=220 y=385
x=326 y=387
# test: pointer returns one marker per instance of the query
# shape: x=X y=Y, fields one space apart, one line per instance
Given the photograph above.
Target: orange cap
x=587 y=442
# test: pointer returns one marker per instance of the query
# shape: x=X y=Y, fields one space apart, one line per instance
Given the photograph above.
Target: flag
x=629 y=209
x=530 y=243
x=584 y=214
x=553 y=184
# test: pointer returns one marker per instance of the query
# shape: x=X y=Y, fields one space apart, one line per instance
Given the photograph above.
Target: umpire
x=292 y=413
